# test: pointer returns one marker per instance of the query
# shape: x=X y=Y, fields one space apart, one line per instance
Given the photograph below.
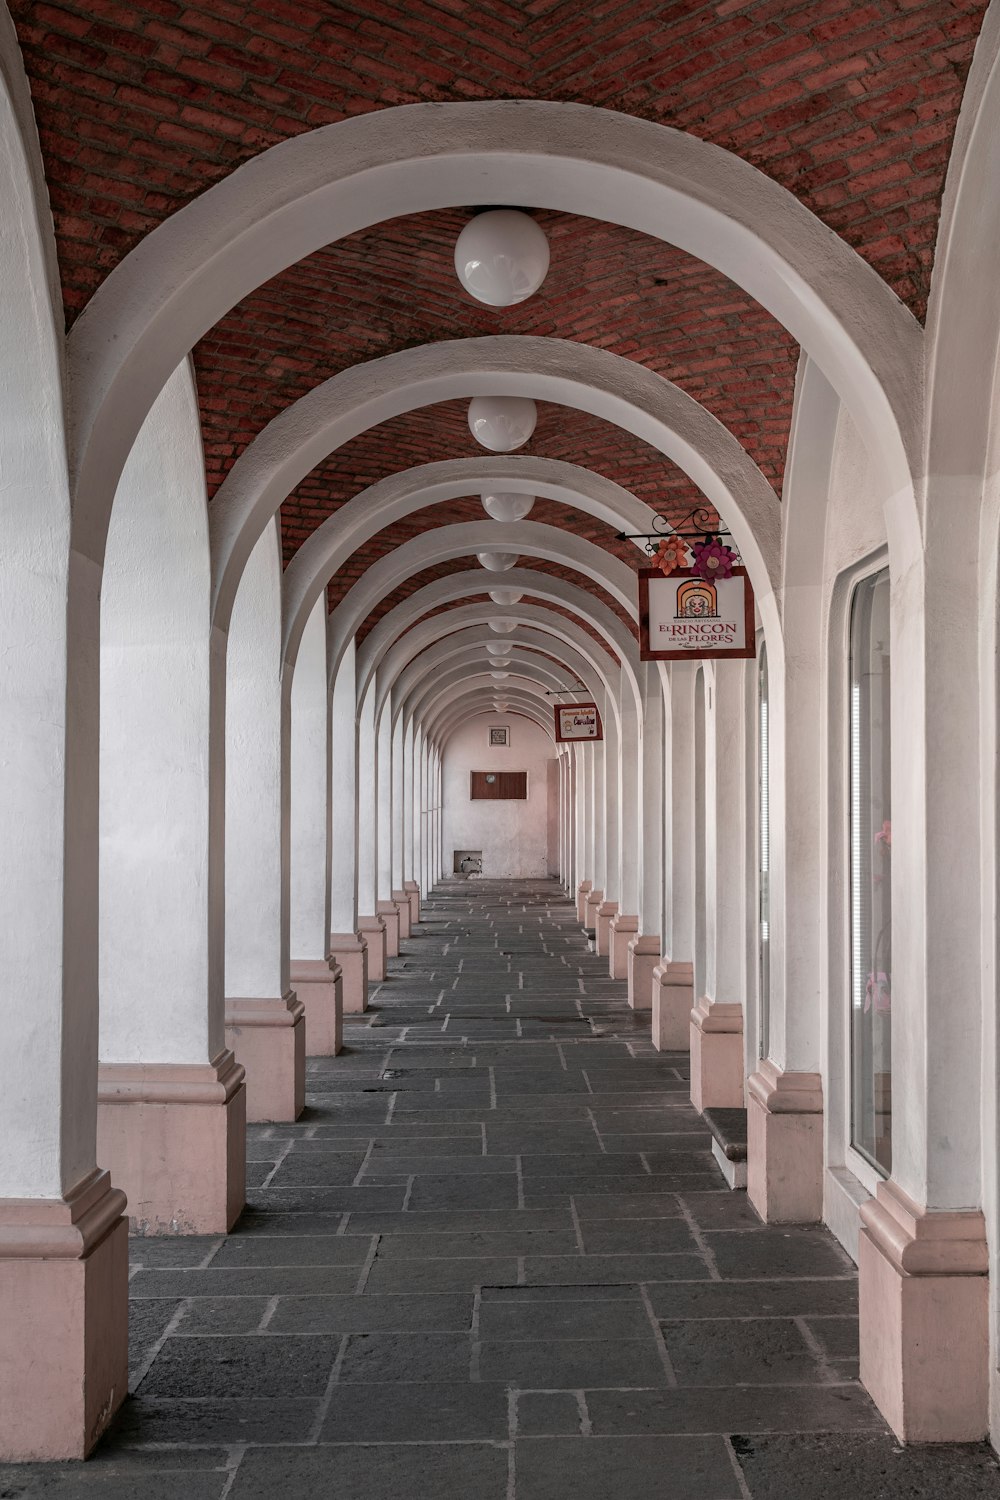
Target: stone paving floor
x=495 y=1261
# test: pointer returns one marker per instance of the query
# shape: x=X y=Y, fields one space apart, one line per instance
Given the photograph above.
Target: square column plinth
x=643 y=957
x=716 y=1031
x=269 y=1040
x=785 y=1145
x=401 y=900
x=924 y=1312
x=372 y=930
x=174 y=1136
x=621 y=930
x=389 y=912
x=412 y=890
x=605 y=912
x=673 y=999
x=582 y=892
x=319 y=985
x=350 y=951
x=63 y=1320
x=592 y=906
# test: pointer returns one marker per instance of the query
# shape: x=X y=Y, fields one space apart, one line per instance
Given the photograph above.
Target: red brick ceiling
x=142 y=104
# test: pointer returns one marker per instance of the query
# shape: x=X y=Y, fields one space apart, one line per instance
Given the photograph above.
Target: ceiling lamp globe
x=508 y=507
x=503 y=627
x=502 y=423
x=498 y=675
x=506 y=597
x=497 y=562
x=501 y=257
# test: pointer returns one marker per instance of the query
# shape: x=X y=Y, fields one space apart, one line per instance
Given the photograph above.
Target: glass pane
x=871 y=875
x=763 y=855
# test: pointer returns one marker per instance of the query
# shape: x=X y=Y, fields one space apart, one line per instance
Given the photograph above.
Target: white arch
x=308 y=191
x=533 y=584
x=618 y=390
x=457 y=710
x=471 y=537
x=459 y=622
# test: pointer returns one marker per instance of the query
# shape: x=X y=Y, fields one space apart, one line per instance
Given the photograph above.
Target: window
x=499 y=786
x=763 y=855
x=871 y=875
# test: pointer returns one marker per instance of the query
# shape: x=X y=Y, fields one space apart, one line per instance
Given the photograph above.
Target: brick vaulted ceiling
x=142 y=104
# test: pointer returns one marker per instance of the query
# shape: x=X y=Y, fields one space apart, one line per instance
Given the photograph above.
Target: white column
x=584 y=811
x=610 y=817
x=347 y=942
x=385 y=905
x=644 y=948
x=172 y=1098
x=717 y=1077
x=397 y=849
x=625 y=922
x=673 y=978
x=317 y=978
x=264 y=1019
x=370 y=923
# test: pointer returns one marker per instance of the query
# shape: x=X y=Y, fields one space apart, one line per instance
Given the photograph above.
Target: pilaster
x=373 y=931
x=582 y=892
x=621 y=930
x=319 y=985
x=389 y=912
x=673 y=1001
x=268 y=1038
x=605 y=912
x=716 y=1030
x=350 y=951
x=643 y=957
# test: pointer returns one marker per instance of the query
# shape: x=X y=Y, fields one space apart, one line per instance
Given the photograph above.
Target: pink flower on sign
x=884 y=835
x=878 y=991
x=713 y=560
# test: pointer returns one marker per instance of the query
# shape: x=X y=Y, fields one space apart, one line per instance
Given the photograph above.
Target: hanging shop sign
x=578 y=721
x=684 y=616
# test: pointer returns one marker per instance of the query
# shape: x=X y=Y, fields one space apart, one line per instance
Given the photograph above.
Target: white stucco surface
x=512 y=835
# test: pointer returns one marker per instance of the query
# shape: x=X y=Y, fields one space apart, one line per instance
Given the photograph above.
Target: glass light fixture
x=501 y=257
x=507 y=507
x=499 y=648
x=502 y=423
x=503 y=627
x=499 y=674
x=506 y=597
x=497 y=562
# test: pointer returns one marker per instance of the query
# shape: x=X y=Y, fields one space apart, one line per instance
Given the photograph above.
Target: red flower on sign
x=670 y=555
x=712 y=560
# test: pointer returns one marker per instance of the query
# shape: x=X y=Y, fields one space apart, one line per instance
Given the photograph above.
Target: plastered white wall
x=512 y=835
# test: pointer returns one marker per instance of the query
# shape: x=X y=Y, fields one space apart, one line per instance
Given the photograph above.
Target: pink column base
x=672 y=988
x=372 y=929
x=412 y=890
x=594 y=901
x=401 y=901
x=319 y=986
x=924 y=1309
x=174 y=1136
x=582 y=892
x=269 y=1040
x=716 y=1029
x=350 y=950
x=605 y=912
x=389 y=912
x=785 y=1145
x=63 y=1320
x=643 y=957
x=622 y=930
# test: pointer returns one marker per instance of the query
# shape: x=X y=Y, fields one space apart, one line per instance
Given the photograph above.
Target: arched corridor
x=499 y=537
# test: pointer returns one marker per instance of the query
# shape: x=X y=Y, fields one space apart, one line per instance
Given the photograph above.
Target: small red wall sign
x=576 y=722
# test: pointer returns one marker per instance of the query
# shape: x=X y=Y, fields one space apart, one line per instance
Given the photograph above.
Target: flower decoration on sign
x=884 y=835
x=877 y=991
x=712 y=559
x=671 y=554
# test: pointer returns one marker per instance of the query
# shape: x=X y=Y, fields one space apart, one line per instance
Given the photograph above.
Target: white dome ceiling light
x=503 y=627
x=502 y=423
x=499 y=648
x=499 y=674
x=508 y=507
x=501 y=257
x=497 y=562
x=506 y=597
